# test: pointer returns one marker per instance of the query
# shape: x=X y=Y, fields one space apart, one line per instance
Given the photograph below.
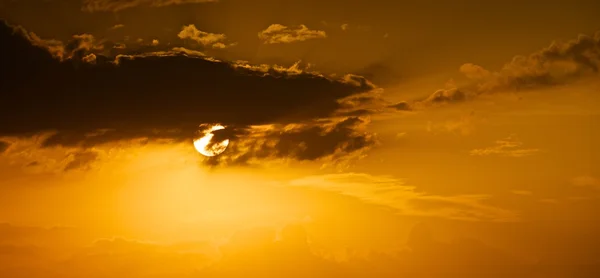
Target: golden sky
x=366 y=138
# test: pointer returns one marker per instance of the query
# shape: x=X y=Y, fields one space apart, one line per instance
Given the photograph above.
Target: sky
x=365 y=138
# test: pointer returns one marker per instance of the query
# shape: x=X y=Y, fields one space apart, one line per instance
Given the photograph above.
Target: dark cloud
x=299 y=142
x=357 y=113
x=258 y=252
x=401 y=106
x=3 y=146
x=163 y=95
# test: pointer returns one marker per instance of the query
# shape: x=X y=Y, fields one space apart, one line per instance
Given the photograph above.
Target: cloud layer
x=91 y=99
x=260 y=252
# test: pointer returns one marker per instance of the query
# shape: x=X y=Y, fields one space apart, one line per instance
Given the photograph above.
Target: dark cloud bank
x=91 y=99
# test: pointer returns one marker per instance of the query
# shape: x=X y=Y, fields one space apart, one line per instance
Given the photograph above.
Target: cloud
x=80 y=160
x=344 y=26
x=119 y=5
x=79 y=45
x=166 y=95
x=558 y=64
x=393 y=193
x=28 y=153
x=586 y=181
x=521 y=192
x=510 y=147
x=117 y=26
x=295 y=252
x=206 y=39
x=277 y=33
x=3 y=146
x=465 y=125
x=324 y=141
x=383 y=74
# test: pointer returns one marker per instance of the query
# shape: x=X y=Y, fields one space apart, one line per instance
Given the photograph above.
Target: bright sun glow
x=202 y=144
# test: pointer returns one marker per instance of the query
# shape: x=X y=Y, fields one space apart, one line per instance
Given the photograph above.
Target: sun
x=206 y=147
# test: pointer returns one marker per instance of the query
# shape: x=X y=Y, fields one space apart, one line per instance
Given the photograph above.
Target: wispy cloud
x=521 y=192
x=117 y=26
x=586 y=181
x=277 y=33
x=119 y=5
x=394 y=193
x=509 y=146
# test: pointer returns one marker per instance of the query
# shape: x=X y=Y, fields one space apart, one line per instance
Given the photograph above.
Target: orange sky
x=367 y=138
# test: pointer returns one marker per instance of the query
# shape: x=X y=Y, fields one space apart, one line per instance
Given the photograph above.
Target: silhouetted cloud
x=91 y=99
x=118 y=5
x=401 y=106
x=3 y=146
x=320 y=140
x=277 y=33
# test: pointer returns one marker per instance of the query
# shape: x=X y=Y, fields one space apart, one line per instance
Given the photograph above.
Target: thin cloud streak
x=394 y=193
x=119 y=5
x=509 y=147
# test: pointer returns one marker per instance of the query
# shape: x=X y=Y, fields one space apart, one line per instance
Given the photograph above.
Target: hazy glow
x=202 y=144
